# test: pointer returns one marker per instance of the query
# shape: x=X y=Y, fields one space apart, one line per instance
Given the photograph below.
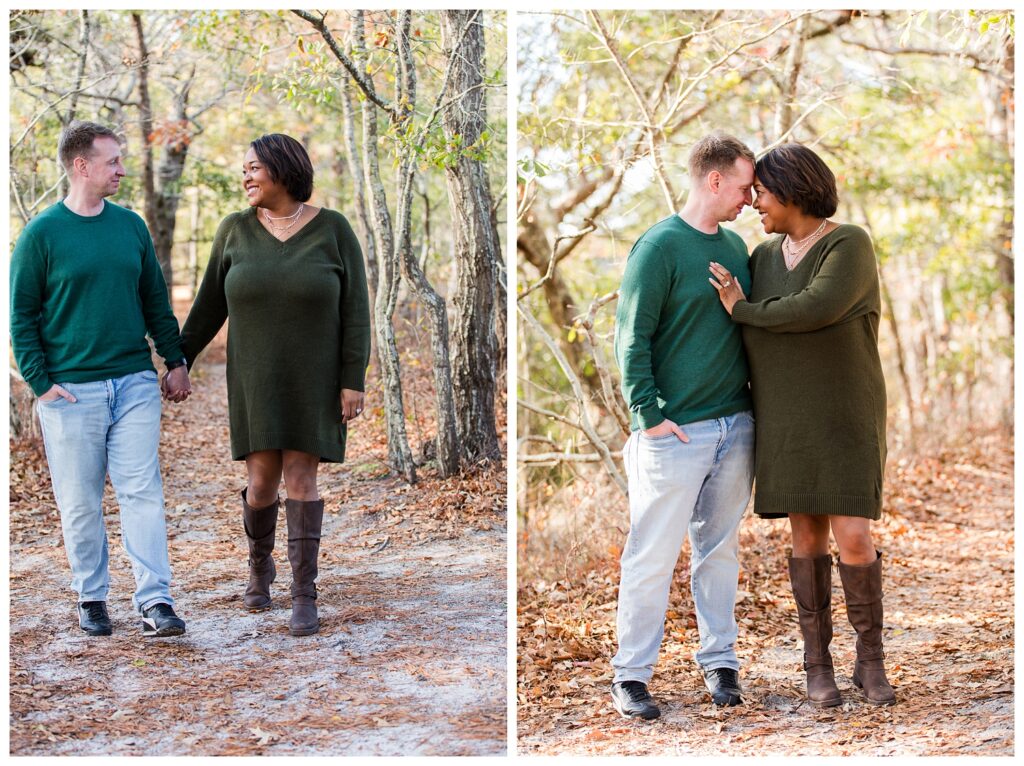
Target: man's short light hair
x=717 y=151
x=76 y=140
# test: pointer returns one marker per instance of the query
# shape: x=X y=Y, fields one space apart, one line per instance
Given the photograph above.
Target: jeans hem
x=716 y=664
x=627 y=676
x=156 y=600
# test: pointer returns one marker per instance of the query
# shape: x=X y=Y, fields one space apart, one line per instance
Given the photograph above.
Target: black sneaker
x=632 y=700
x=724 y=685
x=93 y=618
x=160 y=620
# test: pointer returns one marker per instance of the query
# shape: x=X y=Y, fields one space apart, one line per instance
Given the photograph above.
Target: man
x=690 y=456
x=85 y=290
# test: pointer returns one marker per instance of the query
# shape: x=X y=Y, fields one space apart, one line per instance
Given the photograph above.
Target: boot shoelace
x=725 y=675
x=637 y=691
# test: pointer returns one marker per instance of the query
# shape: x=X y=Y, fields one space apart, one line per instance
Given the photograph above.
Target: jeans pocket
x=656 y=439
x=149 y=375
x=59 y=399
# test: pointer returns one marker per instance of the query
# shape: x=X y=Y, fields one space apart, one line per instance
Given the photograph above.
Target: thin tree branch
x=587 y=427
x=365 y=84
x=553 y=261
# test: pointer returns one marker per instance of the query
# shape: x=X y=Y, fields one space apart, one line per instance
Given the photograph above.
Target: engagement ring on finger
x=358 y=411
x=727 y=283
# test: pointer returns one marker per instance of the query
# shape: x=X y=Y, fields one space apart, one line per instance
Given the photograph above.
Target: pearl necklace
x=793 y=250
x=277 y=231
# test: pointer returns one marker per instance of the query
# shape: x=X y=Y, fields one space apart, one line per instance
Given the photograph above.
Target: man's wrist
x=41 y=388
x=173 y=364
x=650 y=417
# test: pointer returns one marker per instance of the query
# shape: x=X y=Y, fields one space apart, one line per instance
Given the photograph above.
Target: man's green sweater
x=85 y=291
x=679 y=353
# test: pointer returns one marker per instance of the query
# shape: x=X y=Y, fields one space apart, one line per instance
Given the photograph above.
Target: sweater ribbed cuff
x=649 y=417
x=739 y=312
x=353 y=378
x=40 y=386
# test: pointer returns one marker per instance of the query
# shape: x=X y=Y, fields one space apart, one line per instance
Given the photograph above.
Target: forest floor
x=410 y=658
x=948 y=543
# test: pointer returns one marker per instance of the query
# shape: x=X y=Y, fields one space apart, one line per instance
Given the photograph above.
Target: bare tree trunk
x=447 y=433
x=477 y=246
x=794 y=60
x=85 y=29
x=355 y=163
x=500 y=319
x=1002 y=99
x=894 y=326
x=146 y=131
x=889 y=311
x=389 y=278
x=161 y=204
x=428 y=210
x=395 y=239
x=193 y=242
x=167 y=196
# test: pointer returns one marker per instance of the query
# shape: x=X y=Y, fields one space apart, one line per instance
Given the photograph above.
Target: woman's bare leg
x=264 y=469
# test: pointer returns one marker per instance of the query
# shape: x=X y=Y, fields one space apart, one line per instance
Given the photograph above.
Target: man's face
x=103 y=169
x=734 y=189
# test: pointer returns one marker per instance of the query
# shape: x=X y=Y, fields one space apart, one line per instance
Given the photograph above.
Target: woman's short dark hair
x=287 y=163
x=795 y=174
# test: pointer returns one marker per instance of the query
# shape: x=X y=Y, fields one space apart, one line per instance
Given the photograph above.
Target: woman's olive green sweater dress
x=811 y=337
x=299 y=330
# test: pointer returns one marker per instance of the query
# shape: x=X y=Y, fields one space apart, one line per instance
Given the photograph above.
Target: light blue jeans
x=702 y=487
x=114 y=428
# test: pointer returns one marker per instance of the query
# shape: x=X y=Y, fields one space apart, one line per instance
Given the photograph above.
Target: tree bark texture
x=447 y=439
x=167 y=194
x=146 y=130
x=477 y=248
x=389 y=278
x=355 y=164
x=161 y=199
x=794 y=62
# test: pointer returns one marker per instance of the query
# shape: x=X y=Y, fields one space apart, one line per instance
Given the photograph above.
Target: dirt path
x=948 y=539
x=410 y=658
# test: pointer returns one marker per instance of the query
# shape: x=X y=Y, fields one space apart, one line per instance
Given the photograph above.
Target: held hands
x=729 y=290
x=664 y=428
x=351 y=404
x=55 y=393
x=175 y=384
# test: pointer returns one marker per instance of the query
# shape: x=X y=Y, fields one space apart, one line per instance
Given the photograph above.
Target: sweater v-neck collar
x=256 y=222
x=806 y=255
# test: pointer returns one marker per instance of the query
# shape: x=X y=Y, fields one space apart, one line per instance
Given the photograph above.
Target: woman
x=290 y=278
x=811 y=334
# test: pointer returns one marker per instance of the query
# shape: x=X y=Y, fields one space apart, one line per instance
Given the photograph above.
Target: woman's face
x=260 y=189
x=774 y=215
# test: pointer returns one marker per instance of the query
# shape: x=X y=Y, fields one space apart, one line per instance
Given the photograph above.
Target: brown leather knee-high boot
x=305 y=518
x=863 y=587
x=812 y=589
x=260 y=525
